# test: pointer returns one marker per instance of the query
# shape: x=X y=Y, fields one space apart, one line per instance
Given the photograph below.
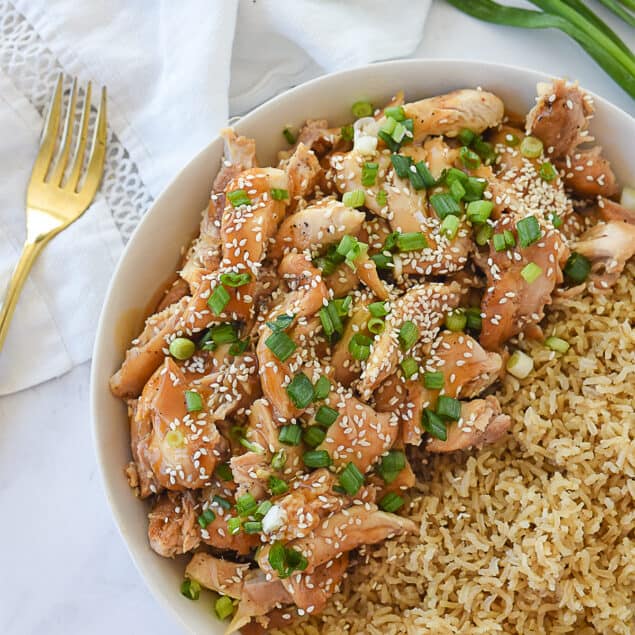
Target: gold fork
x=53 y=202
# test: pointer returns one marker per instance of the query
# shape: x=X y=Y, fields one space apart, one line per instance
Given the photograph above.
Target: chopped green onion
x=252 y=527
x=345 y=245
x=434 y=425
x=474 y=319
x=520 y=365
x=452 y=175
x=511 y=140
x=444 y=205
x=224 y=607
x=390 y=242
x=557 y=344
x=531 y=272
x=221 y=502
x=316 y=458
x=381 y=197
x=498 y=240
x=207 y=517
x=347 y=133
x=326 y=416
x=433 y=380
x=388 y=127
x=409 y=367
x=411 y=241
x=450 y=227
x=351 y=479
x=555 y=219
x=369 y=173
x=263 y=508
x=391 y=464
x=224 y=472
x=218 y=300
x=457 y=190
x=528 y=231
x=484 y=150
x=466 y=136
x=286 y=560
x=290 y=435
x=281 y=322
x=401 y=164
x=391 y=502
x=246 y=505
x=238 y=348
x=382 y=261
x=479 y=211
x=357 y=251
x=251 y=445
x=376 y=325
x=577 y=267
x=416 y=179
x=175 y=438
x=330 y=319
x=378 y=309
x=424 y=173
x=362 y=109
x=223 y=334
x=182 y=348
x=355 y=198
x=322 y=388
x=399 y=132
x=300 y=391
x=359 y=347
x=456 y=320
x=313 y=436
x=448 y=407
x=509 y=237
x=281 y=345
x=470 y=159
x=395 y=112
x=238 y=198
x=474 y=188
x=391 y=144
x=277 y=486
x=232 y=279
x=289 y=135
x=193 y=401
x=279 y=459
x=234 y=525
x=547 y=171
x=279 y=194
x=531 y=147
x=483 y=234
x=343 y=305
x=408 y=335
x=191 y=589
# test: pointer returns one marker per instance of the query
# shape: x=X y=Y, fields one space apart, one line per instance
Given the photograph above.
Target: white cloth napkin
x=167 y=68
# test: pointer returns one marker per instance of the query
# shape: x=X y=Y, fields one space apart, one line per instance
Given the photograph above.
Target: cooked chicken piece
x=172 y=526
x=425 y=305
x=251 y=471
x=588 y=173
x=139 y=471
x=348 y=529
x=467 y=370
x=560 y=117
x=510 y=303
x=507 y=139
x=222 y=576
x=448 y=114
x=345 y=368
x=307 y=295
x=439 y=155
x=366 y=271
x=310 y=500
x=482 y=423
x=147 y=351
x=317 y=136
x=360 y=435
x=182 y=450
x=175 y=292
x=610 y=210
x=203 y=256
x=311 y=591
x=240 y=155
x=304 y=172
x=342 y=281
x=608 y=246
x=316 y=226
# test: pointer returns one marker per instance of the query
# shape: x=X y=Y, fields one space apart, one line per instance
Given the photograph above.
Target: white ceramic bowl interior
x=154 y=249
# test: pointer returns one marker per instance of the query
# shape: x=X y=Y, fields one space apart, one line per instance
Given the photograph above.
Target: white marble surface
x=64 y=568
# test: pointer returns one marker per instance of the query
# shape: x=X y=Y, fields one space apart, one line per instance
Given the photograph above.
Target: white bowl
x=152 y=254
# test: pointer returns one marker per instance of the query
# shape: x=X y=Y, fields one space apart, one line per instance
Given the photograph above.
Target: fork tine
x=69 y=124
x=80 y=146
x=97 y=152
x=49 y=134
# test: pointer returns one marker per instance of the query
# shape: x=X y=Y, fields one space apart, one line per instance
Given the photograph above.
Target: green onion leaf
x=369 y=173
x=484 y=150
x=300 y=391
x=531 y=147
x=238 y=348
x=425 y=174
x=457 y=190
x=279 y=194
x=411 y=241
x=474 y=319
x=528 y=231
x=277 y=486
x=224 y=607
x=391 y=464
x=381 y=197
x=362 y=109
x=483 y=234
x=191 y=589
x=391 y=502
x=479 y=211
x=466 y=136
x=456 y=320
x=181 y=348
x=547 y=171
x=359 y=347
x=409 y=367
x=238 y=198
x=498 y=240
x=376 y=325
x=557 y=344
x=509 y=237
x=520 y=365
x=395 y=112
x=207 y=517
x=470 y=159
x=263 y=508
x=218 y=300
x=449 y=227
x=322 y=388
x=313 y=436
x=290 y=435
x=577 y=267
x=281 y=345
x=326 y=416
x=281 y=322
x=351 y=479
x=234 y=525
x=444 y=205
x=221 y=502
x=316 y=458
x=232 y=279
x=224 y=472
x=378 y=309
x=448 y=407
x=347 y=133
x=382 y=261
x=434 y=425
x=193 y=401
x=555 y=219
x=246 y=505
x=433 y=380
x=474 y=188
x=408 y=335
x=401 y=164
x=511 y=140
x=279 y=459
x=289 y=135
x=252 y=527
x=531 y=272
x=356 y=198
x=223 y=334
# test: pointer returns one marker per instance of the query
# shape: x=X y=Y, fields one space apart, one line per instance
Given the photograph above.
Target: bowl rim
x=530 y=74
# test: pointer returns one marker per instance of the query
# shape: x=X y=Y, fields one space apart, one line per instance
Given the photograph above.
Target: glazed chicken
x=363 y=296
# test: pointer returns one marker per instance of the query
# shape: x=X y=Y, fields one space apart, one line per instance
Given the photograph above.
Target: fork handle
x=30 y=252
